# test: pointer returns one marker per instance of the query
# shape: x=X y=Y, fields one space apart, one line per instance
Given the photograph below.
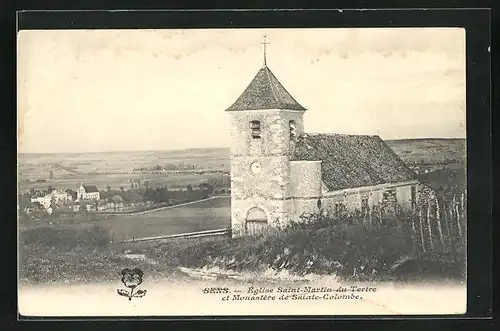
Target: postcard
x=242 y=172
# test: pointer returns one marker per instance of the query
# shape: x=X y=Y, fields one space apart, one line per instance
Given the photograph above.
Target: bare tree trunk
x=421 y=228
x=458 y=222
x=413 y=231
x=464 y=207
x=463 y=216
x=429 y=226
x=370 y=214
x=452 y=216
x=453 y=223
x=438 y=220
x=447 y=223
x=380 y=215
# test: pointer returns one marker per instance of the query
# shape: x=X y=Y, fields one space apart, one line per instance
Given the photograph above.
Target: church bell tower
x=265 y=120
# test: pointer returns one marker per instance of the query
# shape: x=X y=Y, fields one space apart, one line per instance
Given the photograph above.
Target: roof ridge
x=284 y=88
x=353 y=160
x=273 y=92
x=262 y=93
x=400 y=160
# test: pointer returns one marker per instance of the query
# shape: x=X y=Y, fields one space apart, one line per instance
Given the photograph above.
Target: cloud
x=397 y=41
x=344 y=55
x=151 y=87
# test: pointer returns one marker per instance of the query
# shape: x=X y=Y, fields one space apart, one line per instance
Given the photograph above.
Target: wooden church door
x=256 y=221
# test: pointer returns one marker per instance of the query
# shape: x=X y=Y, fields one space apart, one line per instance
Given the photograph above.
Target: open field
x=75 y=163
x=117 y=181
x=440 y=163
x=431 y=153
x=70 y=165
x=70 y=169
x=205 y=215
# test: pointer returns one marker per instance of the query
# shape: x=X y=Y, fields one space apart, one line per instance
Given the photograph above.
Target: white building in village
x=54 y=196
x=87 y=192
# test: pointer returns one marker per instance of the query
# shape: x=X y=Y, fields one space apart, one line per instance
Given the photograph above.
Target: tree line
x=159 y=194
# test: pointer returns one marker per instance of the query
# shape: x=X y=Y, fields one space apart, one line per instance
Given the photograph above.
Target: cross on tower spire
x=265 y=43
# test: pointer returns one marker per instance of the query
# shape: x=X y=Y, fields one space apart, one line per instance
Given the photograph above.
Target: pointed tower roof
x=265 y=92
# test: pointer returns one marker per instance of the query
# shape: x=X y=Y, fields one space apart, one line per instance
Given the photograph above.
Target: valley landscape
x=117 y=168
x=440 y=161
x=46 y=240
x=147 y=221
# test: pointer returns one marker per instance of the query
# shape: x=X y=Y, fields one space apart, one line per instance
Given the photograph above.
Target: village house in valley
x=53 y=197
x=88 y=192
x=279 y=172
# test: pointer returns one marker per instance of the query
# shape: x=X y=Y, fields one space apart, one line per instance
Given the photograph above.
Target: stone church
x=279 y=172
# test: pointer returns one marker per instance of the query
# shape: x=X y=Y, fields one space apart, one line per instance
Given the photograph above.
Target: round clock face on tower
x=255 y=167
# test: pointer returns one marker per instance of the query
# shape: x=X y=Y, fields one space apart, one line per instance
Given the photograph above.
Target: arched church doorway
x=256 y=221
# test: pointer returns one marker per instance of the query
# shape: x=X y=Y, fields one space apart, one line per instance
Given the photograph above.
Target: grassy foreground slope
x=69 y=255
x=346 y=247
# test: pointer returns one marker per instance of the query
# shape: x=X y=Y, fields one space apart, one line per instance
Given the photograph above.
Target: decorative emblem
x=255 y=167
x=132 y=278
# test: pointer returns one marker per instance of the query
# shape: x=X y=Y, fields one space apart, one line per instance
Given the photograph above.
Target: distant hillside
x=440 y=163
x=430 y=151
x=422 y=152
x=191 y=152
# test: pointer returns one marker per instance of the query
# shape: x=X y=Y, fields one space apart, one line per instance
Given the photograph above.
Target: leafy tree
x=83 y=207
x=163 y=195
x=206 y=188
x=150 y=195
x=23 y=202
x=53 y=203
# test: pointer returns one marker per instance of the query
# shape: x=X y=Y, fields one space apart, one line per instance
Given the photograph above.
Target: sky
x=122 y=90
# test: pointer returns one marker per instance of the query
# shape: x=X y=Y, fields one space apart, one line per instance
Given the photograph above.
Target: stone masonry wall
x=270 y=188
x=275 y=131
x=305 y=177
x=275 y=210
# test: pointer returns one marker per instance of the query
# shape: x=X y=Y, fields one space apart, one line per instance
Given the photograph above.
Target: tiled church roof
x=351 y=161
x=90 y=188
x=265 y=92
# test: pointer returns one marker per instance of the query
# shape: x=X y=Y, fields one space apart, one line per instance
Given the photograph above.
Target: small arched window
x=319 y=203
x=255 y=129
x=293 y=132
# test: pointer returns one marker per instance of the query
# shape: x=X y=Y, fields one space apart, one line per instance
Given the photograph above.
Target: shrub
x=345 y=246
x=93 y=237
